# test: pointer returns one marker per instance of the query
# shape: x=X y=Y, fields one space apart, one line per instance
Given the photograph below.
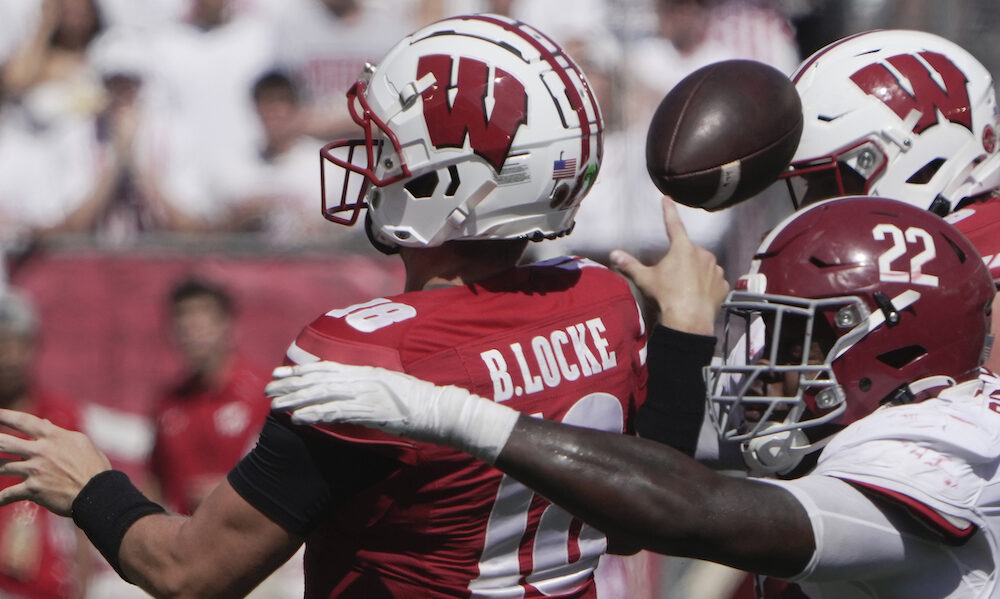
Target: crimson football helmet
x=895 y=113
x=864 y=302
x=475 y=127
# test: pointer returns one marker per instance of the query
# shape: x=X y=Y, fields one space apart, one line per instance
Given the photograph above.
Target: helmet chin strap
x=778 y=453
x=923 y=388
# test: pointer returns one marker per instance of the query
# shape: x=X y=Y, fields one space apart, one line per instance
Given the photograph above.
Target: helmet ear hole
x=940 y=206
x=560 y=197
x=902 y=356
x=423 y=186
x=455 y=181
x=926 y=172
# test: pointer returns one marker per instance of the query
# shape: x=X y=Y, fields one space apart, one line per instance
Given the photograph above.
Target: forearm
x=224 y=550
x=152 y=556
x=163 y=555
x=663 y=501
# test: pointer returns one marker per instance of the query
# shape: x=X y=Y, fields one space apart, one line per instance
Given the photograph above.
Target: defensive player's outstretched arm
x=224 y=550
x=660 y=499
x=635 y=490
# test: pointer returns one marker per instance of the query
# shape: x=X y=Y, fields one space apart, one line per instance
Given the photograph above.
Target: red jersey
x=561 y=340
x=38 y=548
x=202 y=431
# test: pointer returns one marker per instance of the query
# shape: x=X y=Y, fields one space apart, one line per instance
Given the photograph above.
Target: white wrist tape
x=393 y=402
x=466 y=422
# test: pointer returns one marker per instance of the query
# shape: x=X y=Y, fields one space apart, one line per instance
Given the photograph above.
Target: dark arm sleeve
x=675 y=399
x=296 y=475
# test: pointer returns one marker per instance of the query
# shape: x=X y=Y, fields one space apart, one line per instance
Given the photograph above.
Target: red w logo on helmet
x=928 y=97
x=488 y=110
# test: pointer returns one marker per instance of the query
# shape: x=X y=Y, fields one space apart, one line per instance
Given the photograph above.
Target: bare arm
x=659 y=499
x=225 y=549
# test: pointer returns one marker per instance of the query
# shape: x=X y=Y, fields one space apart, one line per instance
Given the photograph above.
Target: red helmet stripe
x=576 y=102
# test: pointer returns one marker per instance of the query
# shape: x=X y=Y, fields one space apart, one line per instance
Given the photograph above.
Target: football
x=723 y=134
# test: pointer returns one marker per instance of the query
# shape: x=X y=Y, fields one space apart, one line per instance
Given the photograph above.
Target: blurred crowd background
x=157 y=151
x=125 y=124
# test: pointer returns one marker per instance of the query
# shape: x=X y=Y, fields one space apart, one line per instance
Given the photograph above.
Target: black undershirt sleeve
x=297 y=475
x=675 y=398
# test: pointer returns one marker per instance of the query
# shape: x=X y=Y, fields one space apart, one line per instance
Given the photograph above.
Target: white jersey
x=938 y=462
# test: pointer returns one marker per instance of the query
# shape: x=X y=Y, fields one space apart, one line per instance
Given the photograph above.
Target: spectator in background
x=326 y=43
x=211 y=418
x=201 y=75
x=48 y=74
x=100 y=193
x=274 y=192
x=41 y=557
x=105 y=191
x=52 y=94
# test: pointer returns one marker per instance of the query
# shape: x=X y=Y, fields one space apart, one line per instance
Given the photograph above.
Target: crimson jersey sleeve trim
x=953 y=531
x=296 y=475
x=315 y=344
x=675 y=398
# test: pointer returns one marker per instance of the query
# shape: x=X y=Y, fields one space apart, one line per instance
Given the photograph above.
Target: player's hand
x=397 y=403
x=687 y=283
x=53 y=463
x=327 y=392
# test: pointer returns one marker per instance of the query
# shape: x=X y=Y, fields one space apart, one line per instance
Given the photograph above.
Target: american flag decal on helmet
x=564 y=169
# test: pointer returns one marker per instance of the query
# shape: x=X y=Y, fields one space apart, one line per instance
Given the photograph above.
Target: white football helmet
x=476 y=127
x=899 y=114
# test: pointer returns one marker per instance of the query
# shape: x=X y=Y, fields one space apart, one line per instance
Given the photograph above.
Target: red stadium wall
x=104 y=334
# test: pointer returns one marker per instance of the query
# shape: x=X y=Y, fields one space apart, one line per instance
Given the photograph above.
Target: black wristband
x=106 y=507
